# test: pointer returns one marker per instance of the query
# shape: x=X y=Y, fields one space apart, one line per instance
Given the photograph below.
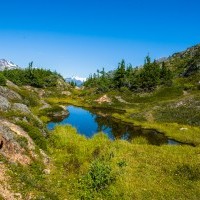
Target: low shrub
x=2 y=80
x=99 y=177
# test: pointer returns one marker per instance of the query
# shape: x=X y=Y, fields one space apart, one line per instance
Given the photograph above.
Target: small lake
x=90 y=122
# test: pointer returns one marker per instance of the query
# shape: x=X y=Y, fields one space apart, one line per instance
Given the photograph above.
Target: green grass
x=97 y=168
x=183 y=133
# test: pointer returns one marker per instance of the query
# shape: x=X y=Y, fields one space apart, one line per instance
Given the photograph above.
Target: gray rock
x=4 y=104
x=21 y=108
x=9 y=94
x=6 y=133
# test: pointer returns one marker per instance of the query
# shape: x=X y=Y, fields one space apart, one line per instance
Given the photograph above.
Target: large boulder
x=4 y=104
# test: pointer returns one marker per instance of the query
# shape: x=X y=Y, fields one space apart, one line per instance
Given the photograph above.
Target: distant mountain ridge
x=77 y=80
x=5 y=64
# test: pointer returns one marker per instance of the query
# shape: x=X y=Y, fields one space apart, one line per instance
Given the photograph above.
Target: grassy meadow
x=98 y=168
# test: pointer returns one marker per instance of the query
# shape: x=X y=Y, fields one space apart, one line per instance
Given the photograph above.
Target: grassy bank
x=183 y=133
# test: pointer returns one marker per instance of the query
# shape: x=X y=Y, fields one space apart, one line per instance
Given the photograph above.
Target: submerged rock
x=59 y=116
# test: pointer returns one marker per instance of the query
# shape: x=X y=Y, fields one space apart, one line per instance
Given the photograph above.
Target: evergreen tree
x=120 y=75
x=165 y=75
x=150 y=75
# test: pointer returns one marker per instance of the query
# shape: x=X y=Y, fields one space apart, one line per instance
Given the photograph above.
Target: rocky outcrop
x=9 y=94
x=12 y=144
x=185 y=63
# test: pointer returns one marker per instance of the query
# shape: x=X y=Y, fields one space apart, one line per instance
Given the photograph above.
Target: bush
x=2 y=80
x=96 y=181
x=99 y=176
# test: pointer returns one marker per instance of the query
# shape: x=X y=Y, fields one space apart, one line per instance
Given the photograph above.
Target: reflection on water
x=90 y=122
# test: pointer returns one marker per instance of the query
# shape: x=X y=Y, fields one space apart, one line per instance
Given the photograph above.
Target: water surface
x=90 y=122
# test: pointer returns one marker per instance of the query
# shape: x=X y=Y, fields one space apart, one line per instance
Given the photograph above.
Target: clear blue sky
x=76 y=37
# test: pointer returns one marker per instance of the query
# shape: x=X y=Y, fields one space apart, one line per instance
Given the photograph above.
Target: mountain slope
x=185 y=63
x=5 y=64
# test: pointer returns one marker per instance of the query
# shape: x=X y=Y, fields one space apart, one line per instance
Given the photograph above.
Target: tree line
x=36 y=77
x=143 y=79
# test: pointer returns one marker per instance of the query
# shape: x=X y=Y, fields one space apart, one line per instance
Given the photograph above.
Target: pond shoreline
x=116 y=125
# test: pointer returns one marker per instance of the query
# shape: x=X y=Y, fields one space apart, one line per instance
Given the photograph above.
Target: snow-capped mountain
x=5 y=64
x=76 y=79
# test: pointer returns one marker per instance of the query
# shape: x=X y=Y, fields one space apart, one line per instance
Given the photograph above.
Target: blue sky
x=76 y=37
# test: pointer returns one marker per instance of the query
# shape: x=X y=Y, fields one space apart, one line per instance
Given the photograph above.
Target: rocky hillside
x=23 y=134
x=185 y=63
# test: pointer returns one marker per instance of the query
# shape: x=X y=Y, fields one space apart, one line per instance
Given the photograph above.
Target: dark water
x=90 y=122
